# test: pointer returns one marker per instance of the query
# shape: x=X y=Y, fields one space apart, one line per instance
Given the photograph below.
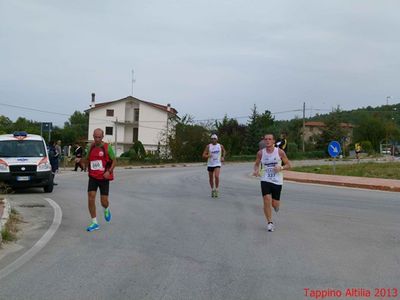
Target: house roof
x=155 y=105
x=322 y=124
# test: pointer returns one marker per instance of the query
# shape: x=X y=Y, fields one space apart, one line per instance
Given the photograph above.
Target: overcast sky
x=206 y=58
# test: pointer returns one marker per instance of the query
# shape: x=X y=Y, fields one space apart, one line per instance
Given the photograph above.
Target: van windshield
x=22 y=148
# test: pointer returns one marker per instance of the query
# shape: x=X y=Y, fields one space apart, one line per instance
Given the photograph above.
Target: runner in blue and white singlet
x=273 y=161
x=269 y=162
x=215 y=154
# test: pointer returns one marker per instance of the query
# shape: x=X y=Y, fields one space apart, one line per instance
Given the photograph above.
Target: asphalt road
x=169 y=239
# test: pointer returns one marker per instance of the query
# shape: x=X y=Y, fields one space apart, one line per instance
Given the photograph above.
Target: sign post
x=46 y=127
x=334 y=150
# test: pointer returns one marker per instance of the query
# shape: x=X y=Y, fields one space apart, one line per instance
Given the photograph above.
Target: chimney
x=168 y=107
x=93 y=104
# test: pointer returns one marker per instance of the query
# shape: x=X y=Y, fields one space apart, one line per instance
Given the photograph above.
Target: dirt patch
x=32 y=205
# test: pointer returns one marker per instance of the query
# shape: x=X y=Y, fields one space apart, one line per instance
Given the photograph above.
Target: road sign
x=334 y=148
x=47 y=126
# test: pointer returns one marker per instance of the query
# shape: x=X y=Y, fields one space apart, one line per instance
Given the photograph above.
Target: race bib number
x=270 y=172
x=96 y=165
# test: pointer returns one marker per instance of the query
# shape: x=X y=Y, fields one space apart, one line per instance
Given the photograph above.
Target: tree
x=332 y=131
x=76 y=129
x=258 y=126
x=370 y=128
x=232 y=135
x=23 y=124
x=5 y=125
x=188 y=140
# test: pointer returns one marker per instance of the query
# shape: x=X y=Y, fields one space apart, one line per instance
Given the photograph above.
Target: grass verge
x=389 y=170
x=10 y=230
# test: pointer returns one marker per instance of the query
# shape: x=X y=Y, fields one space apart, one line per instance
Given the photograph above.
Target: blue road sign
x=334 y=148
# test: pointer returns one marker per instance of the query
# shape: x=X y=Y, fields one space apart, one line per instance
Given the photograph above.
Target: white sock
x=94 y=220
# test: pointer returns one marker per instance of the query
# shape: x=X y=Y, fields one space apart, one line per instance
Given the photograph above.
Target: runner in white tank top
x=215 y=151
x=272 y=180
x=215 y=154
x=269 y=162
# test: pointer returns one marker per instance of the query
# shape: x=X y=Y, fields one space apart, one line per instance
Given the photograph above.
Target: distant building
x=315 y=128
x=128 y=120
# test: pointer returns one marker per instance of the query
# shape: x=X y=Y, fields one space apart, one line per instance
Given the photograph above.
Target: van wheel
x=48 y=188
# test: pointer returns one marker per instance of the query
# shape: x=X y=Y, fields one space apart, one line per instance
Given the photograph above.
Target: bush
x=307 y=155
x=366 y=146
x=248 y=157
x=292 y=147
x=135 y=153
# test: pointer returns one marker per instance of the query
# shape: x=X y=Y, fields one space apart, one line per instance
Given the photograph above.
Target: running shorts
x=268 y=188
x=212 y=169
x=103 y=185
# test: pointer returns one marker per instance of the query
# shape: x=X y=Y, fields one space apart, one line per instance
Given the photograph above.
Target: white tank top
x=269 y=161
x=215 y=159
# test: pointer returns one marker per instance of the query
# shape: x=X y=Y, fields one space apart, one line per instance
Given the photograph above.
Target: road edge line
x=39 y=245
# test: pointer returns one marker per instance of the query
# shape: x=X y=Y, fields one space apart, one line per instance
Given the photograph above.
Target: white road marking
x=39 y=244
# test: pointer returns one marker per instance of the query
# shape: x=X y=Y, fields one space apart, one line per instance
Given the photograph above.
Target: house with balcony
x=128 y=120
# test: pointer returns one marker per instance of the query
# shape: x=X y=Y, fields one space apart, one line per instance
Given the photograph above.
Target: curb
x=346 y=181
x=346 y=184
x=5 y=216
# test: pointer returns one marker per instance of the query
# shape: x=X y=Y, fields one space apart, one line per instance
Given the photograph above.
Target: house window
x=110 y=113
x=135 y=134
x=136 y=115
x=109 y=130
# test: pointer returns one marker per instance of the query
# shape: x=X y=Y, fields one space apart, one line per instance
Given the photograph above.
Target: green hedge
x=247 y=157
x=307 y=155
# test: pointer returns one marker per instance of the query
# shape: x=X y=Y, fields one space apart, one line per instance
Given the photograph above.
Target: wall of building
x=98 y=119
x=152 y=123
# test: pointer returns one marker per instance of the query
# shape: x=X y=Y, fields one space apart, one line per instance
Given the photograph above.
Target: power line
x=157 y=121
x=34 y=109
x=143 y=121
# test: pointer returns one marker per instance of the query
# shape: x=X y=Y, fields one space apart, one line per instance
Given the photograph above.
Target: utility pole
x=387 y=99
x=116 y=129
x=133 y=81
x=304 y=126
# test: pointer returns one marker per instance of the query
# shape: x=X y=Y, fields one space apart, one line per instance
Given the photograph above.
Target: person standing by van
x=54 y=159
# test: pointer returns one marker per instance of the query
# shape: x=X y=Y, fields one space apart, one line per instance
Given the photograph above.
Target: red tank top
x=99 y=162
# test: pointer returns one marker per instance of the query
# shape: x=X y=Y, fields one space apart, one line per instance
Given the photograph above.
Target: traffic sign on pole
x=47 y=126
x=334 y=149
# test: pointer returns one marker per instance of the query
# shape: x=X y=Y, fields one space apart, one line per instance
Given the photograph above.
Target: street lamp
x=387 y=99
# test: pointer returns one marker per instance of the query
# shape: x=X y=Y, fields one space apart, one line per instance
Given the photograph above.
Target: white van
x=24 y=161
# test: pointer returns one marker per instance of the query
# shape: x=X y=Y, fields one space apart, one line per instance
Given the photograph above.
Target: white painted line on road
x=39 y=244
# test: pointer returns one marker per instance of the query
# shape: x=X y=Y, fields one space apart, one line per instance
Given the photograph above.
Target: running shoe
x=276 y=209
x=212 y=194
x=107 y=214
x=92 y=227
x=216 y=194
x=270 y=226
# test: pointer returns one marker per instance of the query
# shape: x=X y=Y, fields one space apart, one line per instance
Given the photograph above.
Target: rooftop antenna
x=133 y=81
